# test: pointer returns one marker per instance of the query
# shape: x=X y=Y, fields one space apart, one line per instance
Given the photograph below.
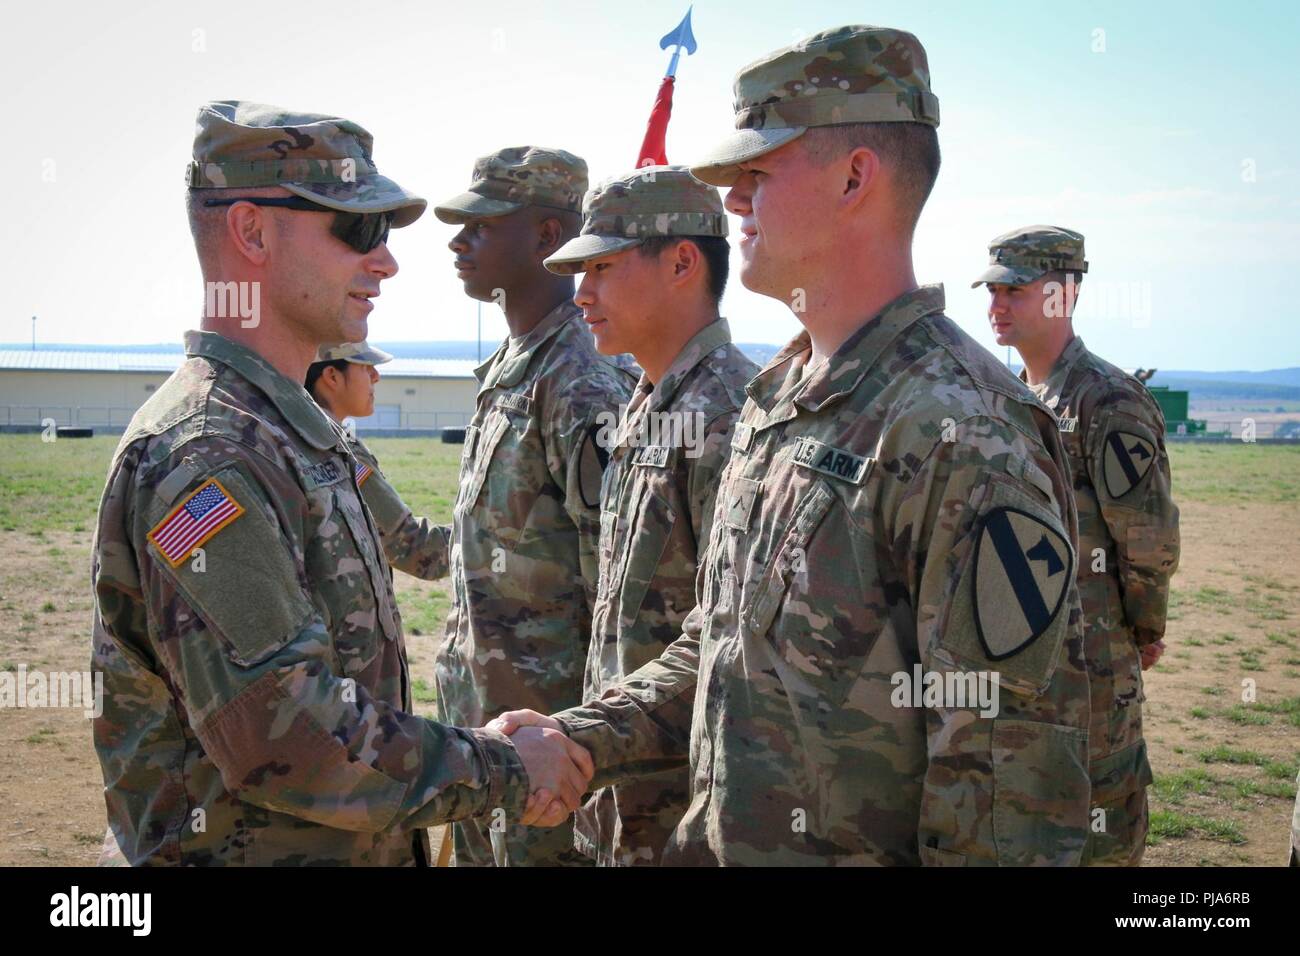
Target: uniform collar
x=290 y=398
x=1050 y=390
x=713 y=336
x=508 y=363
x=840 y=374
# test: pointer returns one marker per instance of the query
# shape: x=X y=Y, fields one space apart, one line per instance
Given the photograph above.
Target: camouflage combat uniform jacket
x=656 y=512
x=1114 y=435
x=903 y=506
x=256 y=704
x=411 y=544
x=525 y=530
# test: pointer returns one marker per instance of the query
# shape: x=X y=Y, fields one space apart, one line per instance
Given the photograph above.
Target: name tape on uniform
x=652 y=456
x=832 y=461
x=323 y=473
x=515 y=402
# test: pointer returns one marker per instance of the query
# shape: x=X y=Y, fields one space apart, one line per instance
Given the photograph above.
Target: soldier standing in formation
x=654 y=250
x=526 y=523
x=1114 y=435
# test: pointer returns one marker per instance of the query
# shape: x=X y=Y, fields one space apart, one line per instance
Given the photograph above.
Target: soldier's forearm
x=418 y=547
x=641 y=725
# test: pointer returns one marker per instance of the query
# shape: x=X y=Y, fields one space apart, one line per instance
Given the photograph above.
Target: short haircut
x=570 y=221
x=911 y=150
x=316 y=369
x=713 y=249
x=208 y=222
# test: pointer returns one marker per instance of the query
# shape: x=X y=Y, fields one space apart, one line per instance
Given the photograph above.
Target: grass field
x=1222 y=711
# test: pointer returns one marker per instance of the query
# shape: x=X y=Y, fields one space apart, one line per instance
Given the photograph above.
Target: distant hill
x=1277 y=376
x=1213 y=389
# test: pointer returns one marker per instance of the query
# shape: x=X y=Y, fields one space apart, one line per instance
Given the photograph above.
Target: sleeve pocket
x=1040 y=793
x=247 y=587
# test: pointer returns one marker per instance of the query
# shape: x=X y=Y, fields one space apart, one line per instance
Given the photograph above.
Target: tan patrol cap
x=325 y=159
x=518 y=176
x=1022 y=255
x=850 y=74
x=624 y=211
x=359 y=353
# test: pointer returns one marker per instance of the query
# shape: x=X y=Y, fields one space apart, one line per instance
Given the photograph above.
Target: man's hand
x=558 y=772
x=512 y=720
x=547 y=806
x=1151 y=653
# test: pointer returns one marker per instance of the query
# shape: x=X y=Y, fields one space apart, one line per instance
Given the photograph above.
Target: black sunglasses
x=363 y=231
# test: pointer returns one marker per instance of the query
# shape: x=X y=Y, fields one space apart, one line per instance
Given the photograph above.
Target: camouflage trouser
x=1117 y=834
x=480 y=843
x=629 y=825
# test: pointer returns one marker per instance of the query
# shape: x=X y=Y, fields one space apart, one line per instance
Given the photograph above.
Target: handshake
x=558 y=769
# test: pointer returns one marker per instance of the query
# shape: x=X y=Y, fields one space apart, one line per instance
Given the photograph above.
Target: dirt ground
x=1225 y=769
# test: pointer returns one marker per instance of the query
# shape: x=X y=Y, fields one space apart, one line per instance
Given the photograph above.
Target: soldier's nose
x=737 y=201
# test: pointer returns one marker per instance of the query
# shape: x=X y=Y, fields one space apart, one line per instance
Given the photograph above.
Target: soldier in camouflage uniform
x=1114 y=435
x=257 y=705
x=414 y=545
x=895 y=502
x=526 y=523
x=655 y=255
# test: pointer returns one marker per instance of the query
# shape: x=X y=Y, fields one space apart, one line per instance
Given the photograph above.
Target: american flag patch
x=196 y=519
x=363 y=471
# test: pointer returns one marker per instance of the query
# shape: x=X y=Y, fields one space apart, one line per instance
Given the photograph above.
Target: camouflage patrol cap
x=515 y=177
x=358 y=353
x=325 y=159
x=624 y=211
x=1022 y=255
x=851 y=74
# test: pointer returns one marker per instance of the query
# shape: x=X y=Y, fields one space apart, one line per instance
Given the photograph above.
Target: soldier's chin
x=477 y=289
x=605 y=340
x=353 y=330
x=753 y=279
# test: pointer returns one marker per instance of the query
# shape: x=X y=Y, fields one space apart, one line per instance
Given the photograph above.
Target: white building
x=103 y=389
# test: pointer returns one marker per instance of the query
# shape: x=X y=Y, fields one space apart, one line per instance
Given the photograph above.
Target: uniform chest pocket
x=645 y=538
x=485 y=444
x=788 y=558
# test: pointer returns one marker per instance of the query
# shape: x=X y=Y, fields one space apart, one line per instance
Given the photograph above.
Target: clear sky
x=1166 y=132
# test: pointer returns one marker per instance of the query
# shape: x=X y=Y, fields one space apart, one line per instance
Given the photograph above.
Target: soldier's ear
x=686 y=260
x=246 y=227
x=550 y=236
x=860 y=175
x=331 y=378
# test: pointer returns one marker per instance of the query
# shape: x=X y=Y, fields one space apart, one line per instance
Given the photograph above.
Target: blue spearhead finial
x=681 y=38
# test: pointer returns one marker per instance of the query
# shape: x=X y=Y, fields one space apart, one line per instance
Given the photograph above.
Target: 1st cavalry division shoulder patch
x=194 y=521
x=1023 y=570
x=1127 y=460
